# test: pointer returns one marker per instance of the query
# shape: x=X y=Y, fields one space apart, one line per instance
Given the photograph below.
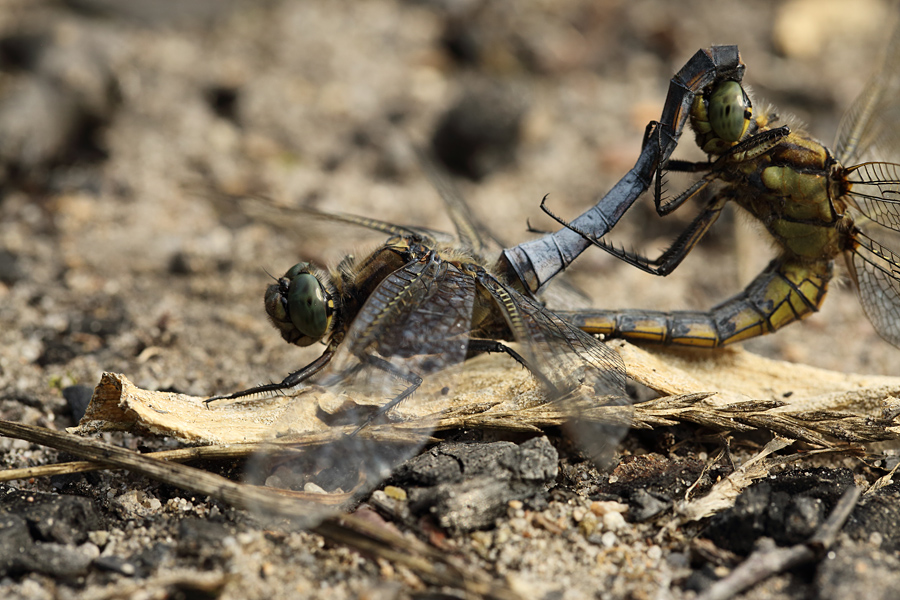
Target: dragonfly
x=415 y=309
x=815 y=206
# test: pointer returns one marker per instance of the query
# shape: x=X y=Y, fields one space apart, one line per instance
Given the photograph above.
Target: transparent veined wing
x=584 y=376
x=870 y=129
x=875 y=192
x=877 y=273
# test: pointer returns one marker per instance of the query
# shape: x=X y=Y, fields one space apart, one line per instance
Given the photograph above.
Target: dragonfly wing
x=290 y=219
x=877 y=273
x=581 y=373
x=470 y=232
x=421 y=313
x=870 y=129
x=875 y=192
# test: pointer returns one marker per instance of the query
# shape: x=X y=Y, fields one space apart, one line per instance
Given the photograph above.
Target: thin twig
x=215 y=452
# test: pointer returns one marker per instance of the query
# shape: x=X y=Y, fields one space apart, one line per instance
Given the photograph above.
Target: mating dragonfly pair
x=423 y=303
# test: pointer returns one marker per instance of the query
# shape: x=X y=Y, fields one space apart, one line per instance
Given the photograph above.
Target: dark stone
x=22 y=51
x=11 y=269
x=56 y=352
x=467 y=486
x=223 y=100
x=52 y=518
x=200 y=537
x=877 y=513
x=150 y=559
x=700 y=579
x=20 y=553
x=644 y=506
x=116 y=564
x=479 y=134
x=88 y=330
x=803 y=517
x=102 y=317
x=15 y=545
x=60 y=560
x=788 y=508
x=78 y=397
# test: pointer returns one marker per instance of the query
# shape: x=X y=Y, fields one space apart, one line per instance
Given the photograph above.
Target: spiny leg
x=414 y=380
x=493 y=346
x=479 y=346
x=287 y=383
x=666 y=262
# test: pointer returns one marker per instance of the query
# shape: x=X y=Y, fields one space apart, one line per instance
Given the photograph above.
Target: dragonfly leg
x=479 y=346
x=672 y=257
x=786 y=291
x=680 y=166
x=666 y=262
x=747 y=149
x=494 y=346
x=406 y=375
x=535 y=262
x=292 y=380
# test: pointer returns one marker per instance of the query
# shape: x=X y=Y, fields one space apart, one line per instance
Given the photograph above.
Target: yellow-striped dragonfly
x=815 y=206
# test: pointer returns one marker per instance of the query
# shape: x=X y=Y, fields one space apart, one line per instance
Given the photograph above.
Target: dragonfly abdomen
x=786 y=291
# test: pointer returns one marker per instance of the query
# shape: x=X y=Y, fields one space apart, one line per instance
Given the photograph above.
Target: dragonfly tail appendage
x=783 y=293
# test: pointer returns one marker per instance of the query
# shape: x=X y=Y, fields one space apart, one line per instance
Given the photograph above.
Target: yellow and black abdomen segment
x=783 y=293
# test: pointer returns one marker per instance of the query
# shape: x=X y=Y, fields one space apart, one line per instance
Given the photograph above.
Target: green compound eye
x=298 y=269
x=728 y=111
x=306 y=305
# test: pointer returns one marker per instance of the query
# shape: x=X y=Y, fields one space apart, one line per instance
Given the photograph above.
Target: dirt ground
x=117 y=117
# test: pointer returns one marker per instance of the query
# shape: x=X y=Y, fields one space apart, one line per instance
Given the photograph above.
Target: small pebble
x=518 y=524
x=100 y=538
x=601 y=508
x=678 y=560
x=394 y=492
x=311 y=488
x=589 y=524
x=613 y=521
x=482 y=539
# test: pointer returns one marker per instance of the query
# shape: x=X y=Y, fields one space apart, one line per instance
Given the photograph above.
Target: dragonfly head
x=300 y=306
x=721 y=116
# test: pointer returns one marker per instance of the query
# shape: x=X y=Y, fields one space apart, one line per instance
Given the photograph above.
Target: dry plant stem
x=763 y=564
x=118 y=404
x=427 y=562
x=724 y=493
x=883 y=481
x=216 y=452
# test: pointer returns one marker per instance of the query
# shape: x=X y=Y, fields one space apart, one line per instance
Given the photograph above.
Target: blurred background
x=117 y=117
